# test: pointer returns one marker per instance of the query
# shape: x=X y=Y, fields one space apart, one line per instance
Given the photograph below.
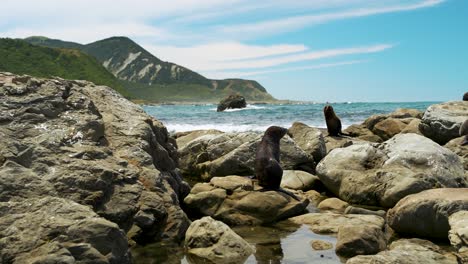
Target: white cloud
x=295 y=22
x=243 y=74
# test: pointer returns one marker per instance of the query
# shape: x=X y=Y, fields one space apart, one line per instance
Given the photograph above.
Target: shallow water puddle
x=279 y=244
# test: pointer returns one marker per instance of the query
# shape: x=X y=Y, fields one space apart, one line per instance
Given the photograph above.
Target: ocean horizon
x=258 y=117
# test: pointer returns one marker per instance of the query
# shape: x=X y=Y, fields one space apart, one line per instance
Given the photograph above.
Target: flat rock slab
x=329 y=223
x=382 y=174
x=236 y=200
x=408 y=251
x=426 y=214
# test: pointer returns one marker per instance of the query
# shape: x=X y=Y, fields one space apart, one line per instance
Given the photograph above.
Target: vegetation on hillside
x=20 y=57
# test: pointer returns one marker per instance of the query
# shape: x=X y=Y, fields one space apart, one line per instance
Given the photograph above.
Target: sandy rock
x=241 y=205
x=358 y=210
x=309 y=139
x=441 y=122
x=184 y=138
x=382 y=174
x=426 y=214
x=333 y=204
x=412 y=127
x=458 y=233
x=321 y=245
x=462 y=151
x=216 y=242
x=359 y=240
x=360 y=131
x=388 y=128
x=299 y=180
x=329 y=223
x=315 y=197
x=408 y=251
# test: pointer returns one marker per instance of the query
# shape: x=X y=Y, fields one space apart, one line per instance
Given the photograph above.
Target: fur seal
x=333 y=122
x=465 y=97
x=267 y=167
x=464 y=132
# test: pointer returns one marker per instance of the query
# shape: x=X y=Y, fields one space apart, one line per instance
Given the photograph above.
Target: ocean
x=179 y=118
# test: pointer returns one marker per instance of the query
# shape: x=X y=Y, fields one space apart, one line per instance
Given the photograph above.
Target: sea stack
x=231 y=102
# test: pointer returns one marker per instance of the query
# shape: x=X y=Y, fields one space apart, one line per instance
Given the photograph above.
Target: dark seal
x=333 y=122
x=465 y=97
x=464 y=132
x=267 y=167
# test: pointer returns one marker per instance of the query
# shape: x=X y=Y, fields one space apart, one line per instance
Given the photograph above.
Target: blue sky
x=316 y=50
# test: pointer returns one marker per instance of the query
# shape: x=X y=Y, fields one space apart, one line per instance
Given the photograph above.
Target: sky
x=310 y=50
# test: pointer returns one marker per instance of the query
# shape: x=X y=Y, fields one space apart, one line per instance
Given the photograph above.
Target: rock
x=184 y=138
x=426 y=214
x=388 y=128
x=338 y=142
x=462 y=151
x=408 y=251
x=232 y=102
x=412 y=127
x=329 y=223
x=458 y=234
x=56 y=230
x=236 y=202
x=333 y=204
x=362 y=132
x=234 y=154
x=406 y=113
x=359 y=240
x=216 y=242
x=382 y=174
x=86 y=143
x=299 y=180
x=309 y=139
x=358 y=210
x=465 y=97
x=441 y=122
x=314 y=197
x=321 y=245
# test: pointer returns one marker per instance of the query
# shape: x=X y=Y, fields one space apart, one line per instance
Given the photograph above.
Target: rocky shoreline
x=85 y=175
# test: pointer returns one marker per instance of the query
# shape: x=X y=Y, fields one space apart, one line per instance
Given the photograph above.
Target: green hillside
x=149 y=79
x=20 y=57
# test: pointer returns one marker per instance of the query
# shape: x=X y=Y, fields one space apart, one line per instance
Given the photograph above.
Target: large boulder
x=458 y=234
x=382 y=174
x=214 y=241
x=237 y=200
x=225 y=154
x=360 y=240
x=462 y=151
x=426 y=214
x=441 y=122
x=56 y=230
x=232 y=102
x=408 y=251
x=309 y=139
x=88 y=144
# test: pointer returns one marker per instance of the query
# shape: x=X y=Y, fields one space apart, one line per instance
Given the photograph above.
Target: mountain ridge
x=148 y=78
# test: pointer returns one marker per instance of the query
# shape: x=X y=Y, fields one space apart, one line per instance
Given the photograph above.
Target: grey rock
x=233 y=200
x=225 y=154
x=382 y=174
x=216 y=242
x=88 y=144
x=359 y=240
x=309 y=139
x=441 y=122
x=426 y=214
x=408 y=251
x=56 y=230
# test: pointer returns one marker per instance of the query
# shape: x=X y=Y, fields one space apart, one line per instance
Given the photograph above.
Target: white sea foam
x=249 y=107
x=226 y=127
